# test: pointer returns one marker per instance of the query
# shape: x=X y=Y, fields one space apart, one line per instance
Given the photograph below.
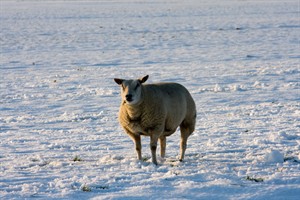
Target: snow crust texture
x=59 y=133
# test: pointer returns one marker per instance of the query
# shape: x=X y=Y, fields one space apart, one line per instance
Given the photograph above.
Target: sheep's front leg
x=137 y=142
x=138 y=147
x=153 y=146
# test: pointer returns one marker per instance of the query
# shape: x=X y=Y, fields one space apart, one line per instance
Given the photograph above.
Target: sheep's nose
x=128 y=97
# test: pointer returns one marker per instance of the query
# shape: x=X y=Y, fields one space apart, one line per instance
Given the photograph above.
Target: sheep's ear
x=144 y=79
x=118 y=81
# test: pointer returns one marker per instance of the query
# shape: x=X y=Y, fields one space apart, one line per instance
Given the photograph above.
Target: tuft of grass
x=86 y=188
x=145 y=159
x=104 y=187
x=77 y=159
x=257 y=180
x=291 y=158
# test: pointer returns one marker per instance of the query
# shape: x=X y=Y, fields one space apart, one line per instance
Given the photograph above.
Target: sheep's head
x=131 y=90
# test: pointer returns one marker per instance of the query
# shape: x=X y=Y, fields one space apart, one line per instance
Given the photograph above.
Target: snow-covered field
x=59 y=134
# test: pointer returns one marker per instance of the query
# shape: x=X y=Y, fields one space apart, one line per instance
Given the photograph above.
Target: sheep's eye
x=136 y=87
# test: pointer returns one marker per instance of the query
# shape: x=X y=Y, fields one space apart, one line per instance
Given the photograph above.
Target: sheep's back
x=170 y=99
x=169 y=93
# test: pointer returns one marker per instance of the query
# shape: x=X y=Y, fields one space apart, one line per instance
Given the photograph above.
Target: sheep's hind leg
x=162 y=140
x=185 y=133
x=182 y=149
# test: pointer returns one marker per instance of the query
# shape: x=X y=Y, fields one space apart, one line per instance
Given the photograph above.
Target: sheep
x=156 y=110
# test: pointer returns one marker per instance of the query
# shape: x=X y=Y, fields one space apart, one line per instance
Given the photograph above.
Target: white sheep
x=156 y=110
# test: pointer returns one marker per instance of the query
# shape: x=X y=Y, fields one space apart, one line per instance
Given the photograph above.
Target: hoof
x=154 y=162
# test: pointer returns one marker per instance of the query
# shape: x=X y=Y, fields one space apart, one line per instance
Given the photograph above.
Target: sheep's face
x=131 y=90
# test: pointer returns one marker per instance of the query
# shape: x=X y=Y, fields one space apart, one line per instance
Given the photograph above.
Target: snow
x=59 y=133
x=274 y=156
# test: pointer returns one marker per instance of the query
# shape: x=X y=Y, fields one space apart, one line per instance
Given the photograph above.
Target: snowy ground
x=59 y=134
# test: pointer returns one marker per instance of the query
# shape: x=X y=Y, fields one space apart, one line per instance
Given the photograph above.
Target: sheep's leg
x=185 y=133
x=182 y=149
x=162 y=140
x=153 y=146
x=138 y=147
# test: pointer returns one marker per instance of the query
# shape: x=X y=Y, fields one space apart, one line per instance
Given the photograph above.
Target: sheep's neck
x=134 y=112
